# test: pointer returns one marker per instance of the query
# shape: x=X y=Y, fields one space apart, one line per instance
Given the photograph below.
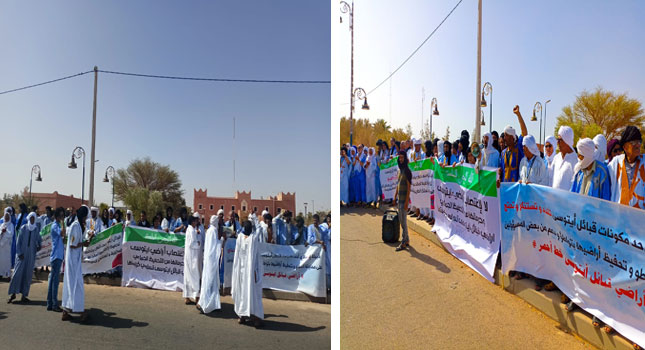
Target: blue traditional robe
x=509 y=162
x=344 y=180
x=599 y=184
x=27 y=244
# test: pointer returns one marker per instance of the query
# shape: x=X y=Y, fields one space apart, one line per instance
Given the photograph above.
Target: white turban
x=214 y=219
x=601 y=147
x=508 y=130
x=31 y=226
x=264 y=212
x=566 y=133
x=529 y=142
x=129 y=212
x=586 y=148
x=417 y=142
x=196 y=214
x=111 y=210
x=94 y=209
x=220 y=212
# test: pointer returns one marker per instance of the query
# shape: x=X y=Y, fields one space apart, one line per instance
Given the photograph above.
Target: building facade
x=56 y=200
x=242 y=203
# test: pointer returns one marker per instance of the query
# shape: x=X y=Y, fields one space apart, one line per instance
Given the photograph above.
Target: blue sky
x=283 y=131
x=531 y=51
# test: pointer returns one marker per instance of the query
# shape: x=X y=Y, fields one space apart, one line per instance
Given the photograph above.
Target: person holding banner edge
x=73 y=289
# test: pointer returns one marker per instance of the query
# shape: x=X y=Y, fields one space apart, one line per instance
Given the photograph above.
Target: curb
x=577 y=322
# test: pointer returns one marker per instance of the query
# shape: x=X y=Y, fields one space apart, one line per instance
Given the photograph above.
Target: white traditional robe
x=209 y=298
x=193 y=257
x=563 y=170
x=5 y=248
x=534 y=171
x=93 y=225
x=246 y=284
x=73 y=290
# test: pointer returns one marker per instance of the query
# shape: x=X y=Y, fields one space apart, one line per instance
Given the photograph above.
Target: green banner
x=424 y=164
x=118 y=228
x=46 y=230
x=138 y=234
x=485 y=182
x=389 y=164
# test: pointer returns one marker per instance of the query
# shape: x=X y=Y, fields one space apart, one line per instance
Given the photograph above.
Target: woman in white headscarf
x=601 y=147
x=370 y=180
x=6 y=237
x=549 y=155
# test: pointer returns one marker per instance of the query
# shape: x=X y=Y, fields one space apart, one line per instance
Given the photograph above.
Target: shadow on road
x=30 y=303
x=428 y=260
x=270 y=325
x=3 y=315
x=226 y=312
x=101 y=318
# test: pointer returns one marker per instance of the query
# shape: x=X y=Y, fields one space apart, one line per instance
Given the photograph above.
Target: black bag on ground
x=391 y=229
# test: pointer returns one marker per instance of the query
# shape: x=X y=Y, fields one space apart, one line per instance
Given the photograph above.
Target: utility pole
x=96 y=77
x=477 y=136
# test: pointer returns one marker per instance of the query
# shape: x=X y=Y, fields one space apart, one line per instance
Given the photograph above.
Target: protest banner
x=590 y=248
x=45 y=252
x=286 y=267
x=389 y=173
x=153 y=259
x=467 y=217
x=104 y=252
x=422 y=185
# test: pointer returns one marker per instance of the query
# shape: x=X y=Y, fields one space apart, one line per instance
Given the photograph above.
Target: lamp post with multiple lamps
x=77 y=154
x=486 y=91
x=349 y=9
x=34 y=170
x=544 y=134
x=110 y=172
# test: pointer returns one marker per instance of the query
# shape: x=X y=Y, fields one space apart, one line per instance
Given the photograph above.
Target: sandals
x=564 y=299
x=402 y=246
x=519 y=276
x=608 y=329
x=570 y=306
x=11 y=298
x=595 y=322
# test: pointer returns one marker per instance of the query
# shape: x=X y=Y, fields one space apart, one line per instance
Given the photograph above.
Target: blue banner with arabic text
x=590 y=248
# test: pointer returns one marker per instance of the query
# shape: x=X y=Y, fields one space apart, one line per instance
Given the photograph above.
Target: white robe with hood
x=193 y=257
x=73 y=290
x=5 y=245
x=246 y=284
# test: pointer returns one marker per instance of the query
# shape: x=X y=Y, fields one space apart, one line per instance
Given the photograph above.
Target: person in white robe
x=565 y=160
x=371 y=167
x=532 y=167
x=209 y=299
x=129 y=218
x=490 y=156
x=6 y=237
x=246 y=284
x=193 y=258
x=326 y=237
x=73 y=290
x=94 y=224
x=345 y=168
x=549 y=155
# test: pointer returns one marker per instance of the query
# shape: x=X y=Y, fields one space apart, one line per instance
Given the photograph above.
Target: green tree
x=446 y=137
x=147 y=185
x=601 y=112
x=368 y=133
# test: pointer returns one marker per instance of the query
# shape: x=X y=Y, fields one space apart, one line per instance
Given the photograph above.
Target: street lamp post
x=34 y=170
x=486 y=91
x=78 y=153
x=349 y=9
x=483 y=122
x=305 y=203
x=435 y=111
x=110 y=172
x=477 y=135
x=544 y=135
x=537 y=107
x=359 y=94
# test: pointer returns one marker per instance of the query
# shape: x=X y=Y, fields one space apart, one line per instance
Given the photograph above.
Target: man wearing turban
x=627 y=170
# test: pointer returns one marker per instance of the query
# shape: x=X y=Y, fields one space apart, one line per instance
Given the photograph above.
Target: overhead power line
x=219 y=79
x=44 y=83
x=225 y=80
x=417 y=49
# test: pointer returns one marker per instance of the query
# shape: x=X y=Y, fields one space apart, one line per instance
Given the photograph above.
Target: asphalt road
x=424 y=298
x=149 y=319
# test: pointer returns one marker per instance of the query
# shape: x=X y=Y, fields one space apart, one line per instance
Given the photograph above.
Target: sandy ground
x=425 y=298
x=148 y=319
